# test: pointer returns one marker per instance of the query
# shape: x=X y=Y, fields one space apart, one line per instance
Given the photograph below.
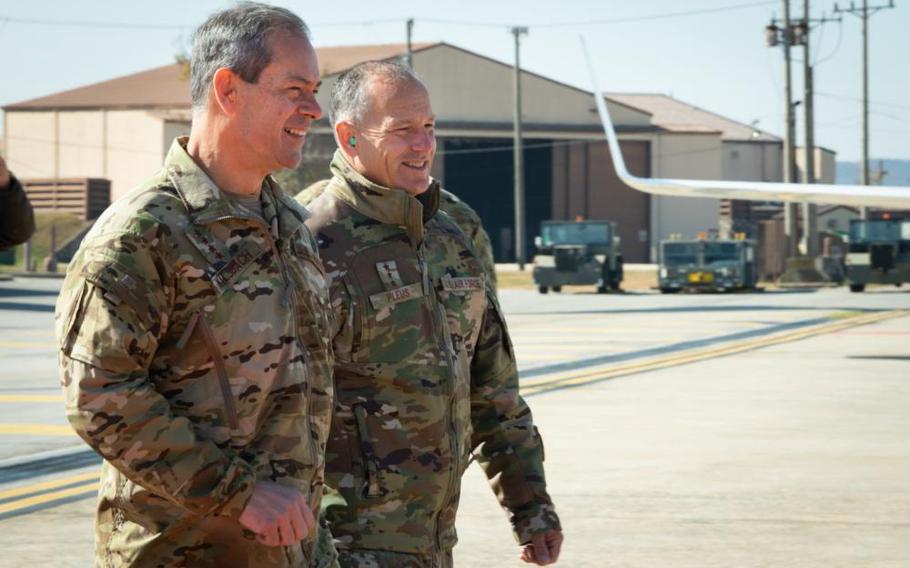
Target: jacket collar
x=391 y=206
x=206 y=203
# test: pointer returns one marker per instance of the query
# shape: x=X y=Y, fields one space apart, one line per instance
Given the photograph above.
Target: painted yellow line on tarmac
x=35 y=429
x=48 y=497
x=36 y=487
x=570 y=378
x=26 y=345
x=31 y=398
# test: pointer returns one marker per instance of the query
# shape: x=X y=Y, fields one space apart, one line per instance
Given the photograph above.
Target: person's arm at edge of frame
x=506 y=443
x=107 y=346
x=17 y=220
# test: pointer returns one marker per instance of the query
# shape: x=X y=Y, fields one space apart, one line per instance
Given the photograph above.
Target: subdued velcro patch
x=396 y=296
x=462 y=283
x=118 y=284
x=237 y=264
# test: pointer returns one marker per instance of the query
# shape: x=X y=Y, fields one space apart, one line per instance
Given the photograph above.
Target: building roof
x=167 y=86
x=677 y=116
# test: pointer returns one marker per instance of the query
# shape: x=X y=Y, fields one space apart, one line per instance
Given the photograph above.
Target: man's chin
x=416 y=187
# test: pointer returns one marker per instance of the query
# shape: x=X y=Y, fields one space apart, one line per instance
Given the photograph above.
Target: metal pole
x=864 y=212
x=518 y=158
x=810 y=229
x=791 y=210
x=409 y=58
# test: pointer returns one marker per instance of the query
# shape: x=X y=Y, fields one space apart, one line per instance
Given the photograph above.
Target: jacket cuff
x=535 y=519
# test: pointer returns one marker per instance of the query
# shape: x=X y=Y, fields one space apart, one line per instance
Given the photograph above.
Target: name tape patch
x=462 y=283
x=396 y=296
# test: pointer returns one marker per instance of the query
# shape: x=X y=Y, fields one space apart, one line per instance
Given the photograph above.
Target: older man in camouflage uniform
x=192 y=324
x=425 y=374
x=461 y=213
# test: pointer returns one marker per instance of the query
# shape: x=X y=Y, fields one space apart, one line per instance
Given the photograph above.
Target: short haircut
x=351 y=90
x=238 y=38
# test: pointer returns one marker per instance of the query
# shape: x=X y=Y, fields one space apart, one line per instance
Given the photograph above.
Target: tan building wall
x=688 y=156
x=752 y=161
x=824 y=164
x=471 y=88
x=31 y=148
x=124 y=146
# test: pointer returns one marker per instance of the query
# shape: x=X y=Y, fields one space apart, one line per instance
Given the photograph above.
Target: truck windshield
x=864 y=231
x=720 y=253
x=679 y=254
x=575 y=234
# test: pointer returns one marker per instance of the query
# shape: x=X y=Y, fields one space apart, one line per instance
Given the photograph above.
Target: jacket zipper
x=290 y=298
x=439 y=312
x=221 y=371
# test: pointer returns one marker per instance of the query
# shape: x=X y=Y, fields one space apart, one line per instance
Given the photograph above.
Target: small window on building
x=832 y=224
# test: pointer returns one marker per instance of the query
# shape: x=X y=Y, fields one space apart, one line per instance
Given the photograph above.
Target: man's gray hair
x=238 y=38
x=351 y=90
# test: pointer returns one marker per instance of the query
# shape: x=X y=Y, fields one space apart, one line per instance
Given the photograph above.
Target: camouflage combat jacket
x=424 y=375
x=194 y=359
x=461 y=213
x=469 y=222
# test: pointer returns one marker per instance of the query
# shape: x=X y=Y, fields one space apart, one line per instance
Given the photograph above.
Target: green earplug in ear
x=352 y=141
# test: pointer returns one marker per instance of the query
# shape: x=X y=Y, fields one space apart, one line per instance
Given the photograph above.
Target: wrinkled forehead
x=401 y=99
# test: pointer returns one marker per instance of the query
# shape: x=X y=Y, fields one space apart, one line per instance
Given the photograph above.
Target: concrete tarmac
x=690 y=430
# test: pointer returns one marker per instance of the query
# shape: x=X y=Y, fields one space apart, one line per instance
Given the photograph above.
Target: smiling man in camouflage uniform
x=425 y=374
x=461 y=213
x=193 y=320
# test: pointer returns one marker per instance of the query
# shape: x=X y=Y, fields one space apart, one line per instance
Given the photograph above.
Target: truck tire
x=557 y=288
x=857 y=287
x=542 y=289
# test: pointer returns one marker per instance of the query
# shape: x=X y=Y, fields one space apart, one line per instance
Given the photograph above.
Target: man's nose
x=423 y=141
x=311 y=109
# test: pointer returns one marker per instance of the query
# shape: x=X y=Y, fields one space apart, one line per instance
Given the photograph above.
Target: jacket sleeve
x=111 y=314
x=17 y=222
x=506 y=443
x=484 y=249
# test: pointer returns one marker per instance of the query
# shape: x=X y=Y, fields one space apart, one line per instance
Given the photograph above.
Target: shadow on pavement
x=705 y=309
x=16 y=306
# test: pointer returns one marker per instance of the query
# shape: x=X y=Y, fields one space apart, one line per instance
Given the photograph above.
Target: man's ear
x=224 y=90
x=347 y=138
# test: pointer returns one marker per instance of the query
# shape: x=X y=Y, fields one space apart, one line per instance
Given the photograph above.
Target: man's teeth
x=416 y=165
x=295 y=132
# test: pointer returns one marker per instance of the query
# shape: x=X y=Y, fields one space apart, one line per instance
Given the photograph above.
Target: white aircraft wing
x=889 y=197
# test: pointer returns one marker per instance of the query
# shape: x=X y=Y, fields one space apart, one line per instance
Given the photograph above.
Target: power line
x=666 y=15
x=90 y=24
x=471 y=23
x=849 y=98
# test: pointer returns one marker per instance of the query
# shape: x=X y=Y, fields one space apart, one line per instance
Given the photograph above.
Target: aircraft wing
x=889 y=197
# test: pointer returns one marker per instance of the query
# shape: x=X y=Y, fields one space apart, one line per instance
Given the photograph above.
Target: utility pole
x=409 y=58
x=791 y=210
x=810 y=230
x=519 y=161
x=863 y=13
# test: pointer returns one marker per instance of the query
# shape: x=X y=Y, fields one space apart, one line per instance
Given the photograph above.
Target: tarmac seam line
x=568 y=380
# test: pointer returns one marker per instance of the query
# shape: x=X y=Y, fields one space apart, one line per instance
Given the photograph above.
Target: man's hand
x=4 y=174
x=278 y=515
x=543 y=548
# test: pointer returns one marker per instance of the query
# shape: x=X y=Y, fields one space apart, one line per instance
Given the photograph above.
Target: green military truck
x=878 y=253
x=577 y=253
x=716 y=265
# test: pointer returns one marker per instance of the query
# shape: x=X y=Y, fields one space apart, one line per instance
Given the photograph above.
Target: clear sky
x=714 y=57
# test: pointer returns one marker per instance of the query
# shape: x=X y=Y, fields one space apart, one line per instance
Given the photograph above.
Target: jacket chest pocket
x=393 y=321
